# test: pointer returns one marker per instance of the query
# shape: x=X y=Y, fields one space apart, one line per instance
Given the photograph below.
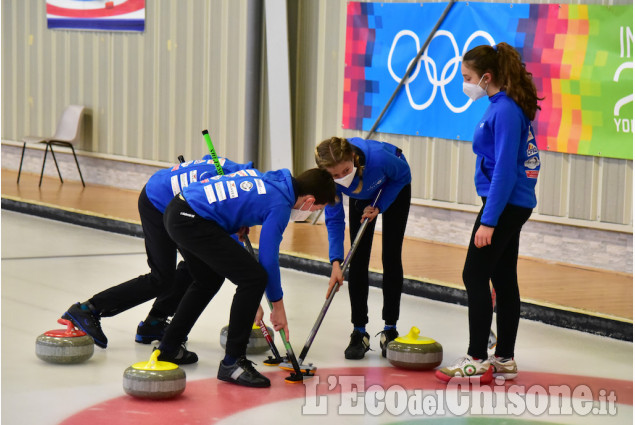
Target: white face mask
x=347 y=179
x=300 y=214
x=475 y=91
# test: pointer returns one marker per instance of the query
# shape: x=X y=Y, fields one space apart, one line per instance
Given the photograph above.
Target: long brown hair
x=508 y=71
x=330 y=152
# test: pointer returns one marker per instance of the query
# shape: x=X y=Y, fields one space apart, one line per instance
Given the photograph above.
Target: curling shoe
x=505 y=368
x=179 y=356
x=151 y=330
x=87 y=320
x=467 y=368
x=387 y=335
x=242 y=373
x=360 y=343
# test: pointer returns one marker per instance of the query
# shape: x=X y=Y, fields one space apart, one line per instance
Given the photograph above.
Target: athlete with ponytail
x=361 y=168
x=507 y=166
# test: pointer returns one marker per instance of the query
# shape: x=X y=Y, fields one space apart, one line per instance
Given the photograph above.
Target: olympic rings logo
x=447 y=74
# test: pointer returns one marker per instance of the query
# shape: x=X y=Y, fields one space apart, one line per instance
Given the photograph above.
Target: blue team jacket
x=385 y=168
x=167 y=183
x=507 y=160
x=249 y=198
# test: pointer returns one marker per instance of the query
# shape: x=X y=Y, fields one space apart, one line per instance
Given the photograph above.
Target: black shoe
x=151 y=330
x=360 y=343
x=243 y=373
x=387 y=335
x=180 y=356
x=88 y=322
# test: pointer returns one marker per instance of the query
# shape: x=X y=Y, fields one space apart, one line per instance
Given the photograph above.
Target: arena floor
x=48 y=265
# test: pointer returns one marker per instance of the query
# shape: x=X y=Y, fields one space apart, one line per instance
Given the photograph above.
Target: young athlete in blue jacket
x=201 y=221
x=361 y=168
x=163 y=282
x=507 y=166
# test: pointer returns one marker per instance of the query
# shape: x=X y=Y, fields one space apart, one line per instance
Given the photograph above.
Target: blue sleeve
x=269 y=251
x=335 y=224
x=397 y=173
x=507 y=129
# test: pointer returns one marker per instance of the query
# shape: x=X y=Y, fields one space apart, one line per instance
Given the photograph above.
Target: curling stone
x=65 y=346
x=154 y=379
x=257 y=342
x=414 y=352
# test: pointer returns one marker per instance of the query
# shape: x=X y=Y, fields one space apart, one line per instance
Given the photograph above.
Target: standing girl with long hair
x=507 y=166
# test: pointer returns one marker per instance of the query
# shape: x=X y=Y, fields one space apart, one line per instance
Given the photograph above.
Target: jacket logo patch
x=183 y=178
x=531 y=149
x=532 y=163
x=209 y=193
x=231 y=187
x=174 y=181
x=261 y=187
x=246 y=186
x=220 y=191
x=531 y=174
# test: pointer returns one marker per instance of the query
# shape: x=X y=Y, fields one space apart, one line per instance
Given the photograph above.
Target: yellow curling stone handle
x=154 y=364
x=414 y=338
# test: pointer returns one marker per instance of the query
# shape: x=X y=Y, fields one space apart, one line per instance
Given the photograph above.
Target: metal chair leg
x=56 y=166
x=46 y=151
x=77 y=162
x=21 y=160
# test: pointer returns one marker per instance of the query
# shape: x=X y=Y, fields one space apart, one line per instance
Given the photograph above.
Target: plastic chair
x=66 y=134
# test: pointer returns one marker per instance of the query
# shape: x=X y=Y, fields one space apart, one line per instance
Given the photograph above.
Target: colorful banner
x=103 y=15
x=580 y=57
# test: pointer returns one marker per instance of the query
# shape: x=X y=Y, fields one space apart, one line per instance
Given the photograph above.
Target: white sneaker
x=467 y=367
x=506 y=368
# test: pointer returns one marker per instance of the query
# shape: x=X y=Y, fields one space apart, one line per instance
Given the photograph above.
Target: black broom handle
x=328 y=301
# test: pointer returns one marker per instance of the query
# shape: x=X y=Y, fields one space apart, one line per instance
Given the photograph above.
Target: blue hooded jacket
x=385 y=168
x=167 y=183
x=507 y=160
x=249 y=198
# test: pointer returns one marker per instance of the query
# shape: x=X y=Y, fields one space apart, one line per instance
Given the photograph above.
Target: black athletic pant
x=497 y=262
x=212 y=255
x=394 y=221
x=163 y=281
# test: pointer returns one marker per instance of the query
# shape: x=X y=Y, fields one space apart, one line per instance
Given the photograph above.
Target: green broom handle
x=212 y=152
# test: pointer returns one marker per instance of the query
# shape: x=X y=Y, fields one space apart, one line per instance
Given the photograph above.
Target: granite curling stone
x=414 y=352
x=257 y=342
x=64 y=346
x=154 y=379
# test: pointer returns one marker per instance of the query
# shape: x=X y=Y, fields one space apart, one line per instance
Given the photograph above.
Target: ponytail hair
x=508 y=71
